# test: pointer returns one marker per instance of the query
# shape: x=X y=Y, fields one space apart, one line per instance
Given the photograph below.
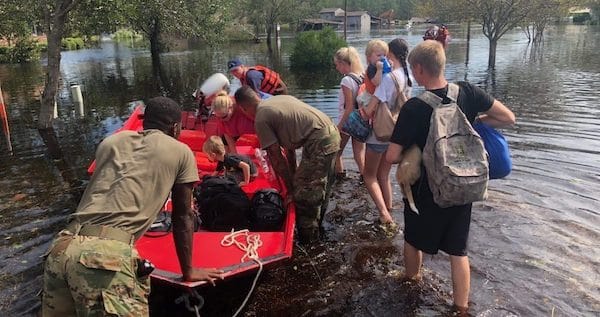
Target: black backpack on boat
x=268 y=212
x=222 y=205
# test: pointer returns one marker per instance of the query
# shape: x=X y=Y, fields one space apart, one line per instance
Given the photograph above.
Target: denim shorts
x=377 y=148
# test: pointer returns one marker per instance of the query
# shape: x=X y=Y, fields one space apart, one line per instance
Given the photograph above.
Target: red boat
x=209 y=251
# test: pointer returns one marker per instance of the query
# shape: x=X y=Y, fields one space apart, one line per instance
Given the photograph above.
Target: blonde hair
x=350 y=56
x=214 y=145
x=430 y=55
x=374 y=45
x=222 y=102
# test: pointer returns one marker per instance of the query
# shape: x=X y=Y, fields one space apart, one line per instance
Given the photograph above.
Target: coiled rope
x=250 y=248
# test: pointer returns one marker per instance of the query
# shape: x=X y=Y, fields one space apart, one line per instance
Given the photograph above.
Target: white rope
x=250 y=248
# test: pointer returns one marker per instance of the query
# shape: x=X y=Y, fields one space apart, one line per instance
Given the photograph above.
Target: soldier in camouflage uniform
x=92 y=267
x=288 y=123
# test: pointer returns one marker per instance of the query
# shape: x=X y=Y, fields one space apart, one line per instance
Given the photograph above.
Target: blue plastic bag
x=356 y=126
x=497 y=148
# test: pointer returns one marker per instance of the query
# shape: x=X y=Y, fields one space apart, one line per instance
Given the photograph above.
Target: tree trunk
x=155 y=50
x=269 y=31
x=55 y=34
x=155 y=45
x=492 y=53
x=468 y=43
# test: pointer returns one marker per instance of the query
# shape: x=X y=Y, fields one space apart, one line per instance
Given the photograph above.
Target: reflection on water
x=533 y=243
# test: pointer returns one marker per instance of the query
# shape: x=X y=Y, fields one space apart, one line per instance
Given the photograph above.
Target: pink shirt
x=238 y=124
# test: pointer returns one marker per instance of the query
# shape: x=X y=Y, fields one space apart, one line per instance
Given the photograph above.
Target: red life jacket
x=270 y=82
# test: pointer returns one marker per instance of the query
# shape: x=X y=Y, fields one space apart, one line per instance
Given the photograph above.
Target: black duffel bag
x=267 y=212
x=222 y=204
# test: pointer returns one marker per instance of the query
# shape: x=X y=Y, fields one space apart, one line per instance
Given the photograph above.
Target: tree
x=536 y=23
x=271 y=12
x=15 y=20
x=496 y=16
x=203 y=18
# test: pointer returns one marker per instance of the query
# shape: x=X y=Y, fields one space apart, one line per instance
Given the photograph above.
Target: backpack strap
x=398 y=89
x=434 y=101
x=431 y=99
x=357 y=79
x=452 y=92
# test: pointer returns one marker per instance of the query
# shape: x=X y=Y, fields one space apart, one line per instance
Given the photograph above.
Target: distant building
x=331 y=13
x=580 y=15
x=358 y=20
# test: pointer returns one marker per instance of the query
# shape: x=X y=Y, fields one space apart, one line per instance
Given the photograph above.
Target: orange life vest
x=270 y=82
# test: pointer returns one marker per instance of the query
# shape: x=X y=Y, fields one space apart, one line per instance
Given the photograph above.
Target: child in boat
x=215 y=149
x=375 y=53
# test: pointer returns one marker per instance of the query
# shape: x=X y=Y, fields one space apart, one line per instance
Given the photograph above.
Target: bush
x=126 y=35
x=72 y=43
x=25 y=50
x=315 y=49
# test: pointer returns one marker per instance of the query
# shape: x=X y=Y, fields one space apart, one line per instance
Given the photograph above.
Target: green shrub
x=126 y=35
x=25 y=50
x=72 y=43
x=315 y=49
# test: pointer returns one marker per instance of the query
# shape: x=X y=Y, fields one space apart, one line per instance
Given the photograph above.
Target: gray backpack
x=454 y=155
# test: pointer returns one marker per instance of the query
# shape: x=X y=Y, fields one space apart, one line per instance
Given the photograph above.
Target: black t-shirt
x=231 y=162
x=413 y=122
x=414 y=118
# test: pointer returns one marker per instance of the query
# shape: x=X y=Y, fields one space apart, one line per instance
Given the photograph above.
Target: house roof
x=356 y=13
x=329 y=10
x=320 y=21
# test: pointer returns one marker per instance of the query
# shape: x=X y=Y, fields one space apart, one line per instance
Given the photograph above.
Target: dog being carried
x=408 y=172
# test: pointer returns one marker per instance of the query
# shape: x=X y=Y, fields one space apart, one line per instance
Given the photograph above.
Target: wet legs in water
x=377 y=180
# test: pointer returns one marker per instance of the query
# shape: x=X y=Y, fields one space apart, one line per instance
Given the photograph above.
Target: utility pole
x=345 y=18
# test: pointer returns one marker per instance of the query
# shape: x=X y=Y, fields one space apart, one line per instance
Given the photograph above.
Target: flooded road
x=533 y=243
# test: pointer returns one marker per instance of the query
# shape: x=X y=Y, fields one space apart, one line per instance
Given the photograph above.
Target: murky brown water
x=533 y=244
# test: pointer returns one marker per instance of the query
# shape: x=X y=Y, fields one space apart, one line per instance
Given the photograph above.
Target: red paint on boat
x=208 y=252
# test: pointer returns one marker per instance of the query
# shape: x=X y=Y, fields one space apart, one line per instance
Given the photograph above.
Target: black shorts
x=436 y=228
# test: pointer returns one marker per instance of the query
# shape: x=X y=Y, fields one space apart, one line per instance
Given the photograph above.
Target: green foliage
x=26 y=49
x=403 y=9
x=15 y=19
x=72 y=43
x=127 y=35
x=315 y=49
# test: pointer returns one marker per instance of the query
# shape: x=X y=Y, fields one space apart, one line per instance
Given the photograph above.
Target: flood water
x=534 y=242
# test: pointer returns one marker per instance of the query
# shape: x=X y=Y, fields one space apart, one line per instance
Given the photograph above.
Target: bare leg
x=461 y=280
x=359 y=148
x=413 y=259
x=339 y=165
x=370 y=176
x=383 y=178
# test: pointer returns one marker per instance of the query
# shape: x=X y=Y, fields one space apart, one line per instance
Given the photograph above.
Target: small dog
x=408 y=172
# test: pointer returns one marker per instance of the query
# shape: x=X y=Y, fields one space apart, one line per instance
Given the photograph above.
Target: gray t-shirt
x=288 y=121
x=135 y=172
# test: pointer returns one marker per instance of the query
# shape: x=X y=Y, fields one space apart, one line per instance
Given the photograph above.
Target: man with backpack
x=439 y=122
x=288 y=123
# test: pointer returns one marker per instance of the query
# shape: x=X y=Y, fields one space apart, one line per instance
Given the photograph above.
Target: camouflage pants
x=91 y=276
x=314 y=177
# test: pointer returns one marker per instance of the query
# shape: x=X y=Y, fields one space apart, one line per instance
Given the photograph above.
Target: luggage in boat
x=222 y=204
x=267 y=212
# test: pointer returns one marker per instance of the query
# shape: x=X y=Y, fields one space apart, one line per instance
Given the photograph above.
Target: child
x=215 y=149
x=436 y=228
x=376 y=51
